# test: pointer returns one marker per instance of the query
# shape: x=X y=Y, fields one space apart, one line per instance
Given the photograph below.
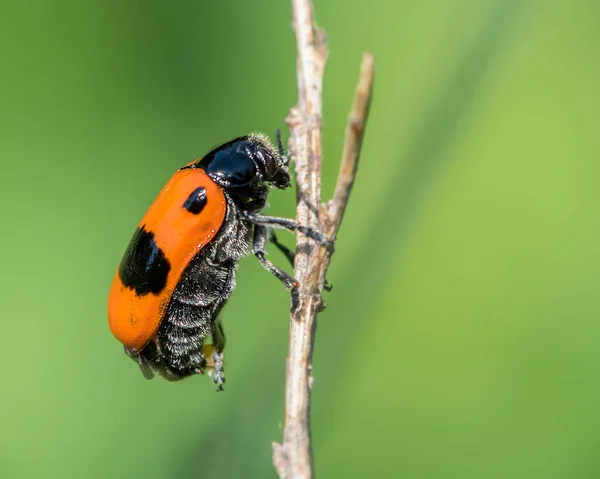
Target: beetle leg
x=214 y=356
x=142 y=361
x=291 y=256
x=261 y=233
x=286 y=224
x=218 y=370
x=218 y=336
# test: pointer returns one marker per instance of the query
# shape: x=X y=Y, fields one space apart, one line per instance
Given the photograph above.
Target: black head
x=243 y=165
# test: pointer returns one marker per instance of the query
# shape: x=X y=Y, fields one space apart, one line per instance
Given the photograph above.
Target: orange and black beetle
x=179 y=268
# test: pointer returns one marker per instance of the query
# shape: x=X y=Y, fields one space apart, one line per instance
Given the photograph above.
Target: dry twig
x=293 y=458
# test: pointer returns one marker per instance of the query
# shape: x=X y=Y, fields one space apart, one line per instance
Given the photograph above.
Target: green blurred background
x=462 y=337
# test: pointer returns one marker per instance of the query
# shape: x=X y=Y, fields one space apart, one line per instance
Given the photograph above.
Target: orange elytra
x=135 y=310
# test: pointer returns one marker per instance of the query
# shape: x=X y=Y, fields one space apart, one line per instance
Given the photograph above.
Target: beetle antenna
x=285 y=155
x=279 y=142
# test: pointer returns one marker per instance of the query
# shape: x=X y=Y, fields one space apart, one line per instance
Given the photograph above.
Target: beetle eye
x=231 y=165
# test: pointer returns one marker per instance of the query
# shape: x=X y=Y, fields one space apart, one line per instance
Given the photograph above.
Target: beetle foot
x=218 y=371
x=213 y=366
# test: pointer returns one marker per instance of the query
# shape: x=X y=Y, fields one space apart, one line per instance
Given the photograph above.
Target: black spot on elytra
x=144 y=267
x=196 y=201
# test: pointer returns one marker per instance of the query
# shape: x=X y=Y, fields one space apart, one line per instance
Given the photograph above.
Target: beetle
x=178 y=270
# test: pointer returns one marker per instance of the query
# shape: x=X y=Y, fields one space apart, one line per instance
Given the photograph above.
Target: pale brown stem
x=354 y=137
x=293 y=459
